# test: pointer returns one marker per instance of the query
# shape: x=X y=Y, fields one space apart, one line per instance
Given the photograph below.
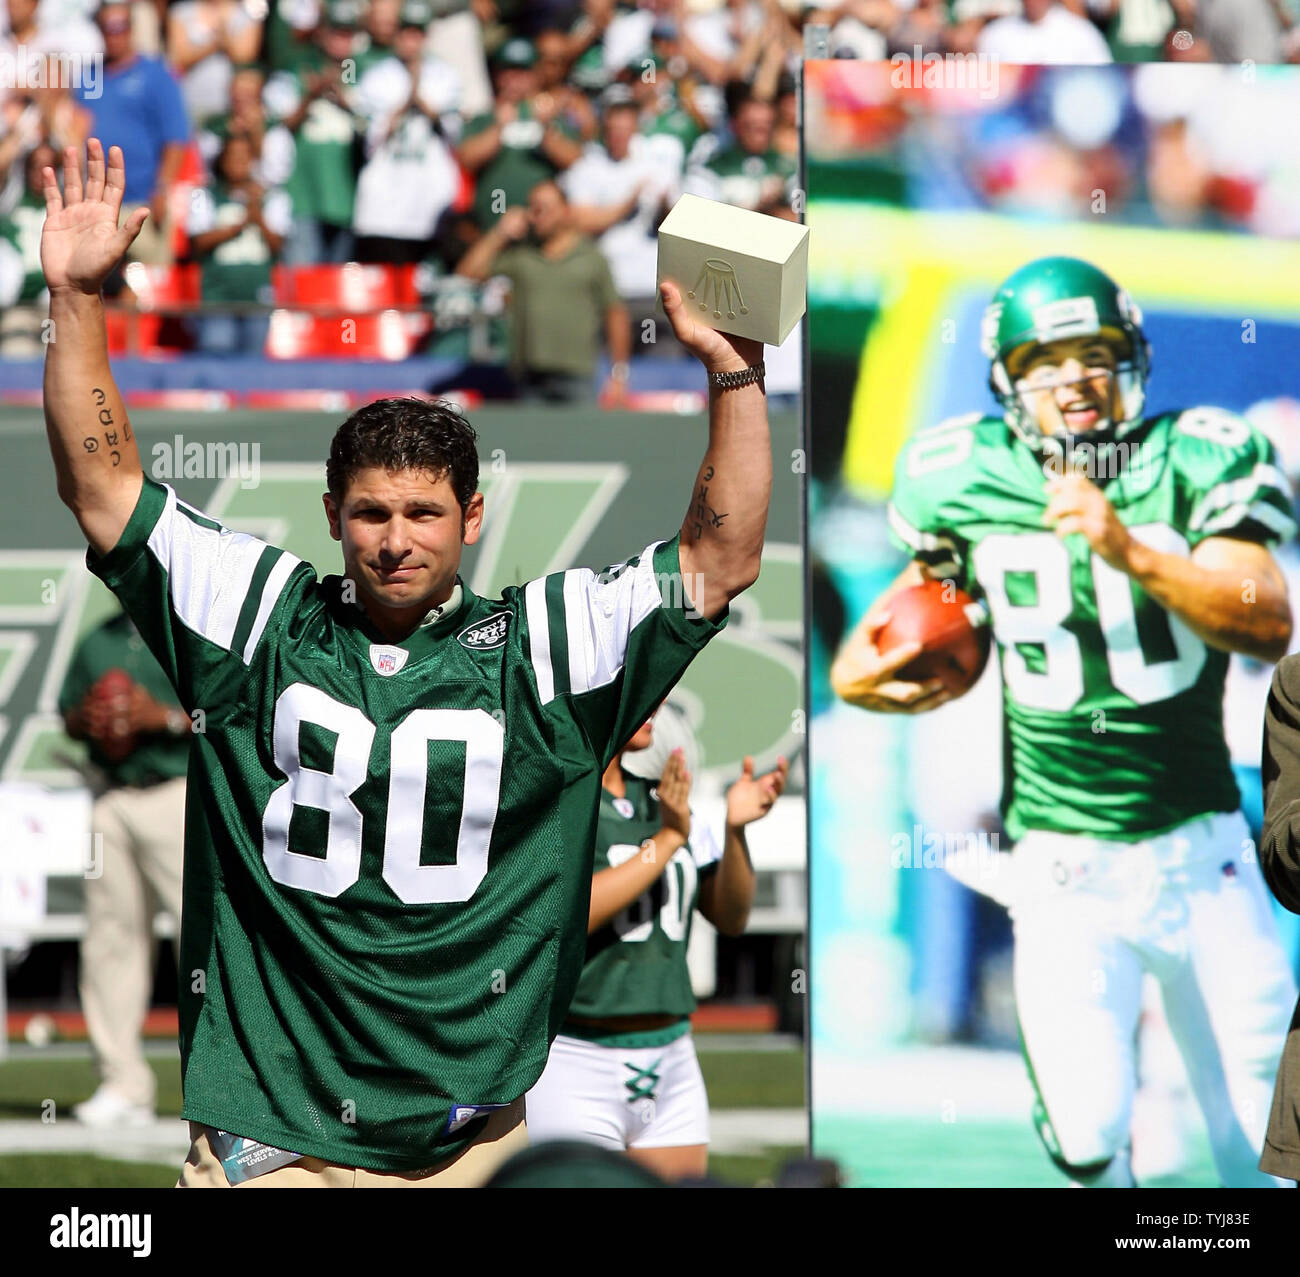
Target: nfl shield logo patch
x=387 y=660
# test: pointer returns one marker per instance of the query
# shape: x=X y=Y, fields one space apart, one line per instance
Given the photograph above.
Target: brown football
x=950 y=626
x=114 y=686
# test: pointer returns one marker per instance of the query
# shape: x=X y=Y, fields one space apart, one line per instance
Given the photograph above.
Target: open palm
x=752 y=797
x=81 y=241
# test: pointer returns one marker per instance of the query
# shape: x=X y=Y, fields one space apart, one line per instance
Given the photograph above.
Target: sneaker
x=108 y=1108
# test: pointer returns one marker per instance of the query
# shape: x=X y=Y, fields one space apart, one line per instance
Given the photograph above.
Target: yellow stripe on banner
x=896 y=359
x=913 y=264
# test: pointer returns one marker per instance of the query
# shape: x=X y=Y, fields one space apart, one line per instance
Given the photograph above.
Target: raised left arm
x=722 y=534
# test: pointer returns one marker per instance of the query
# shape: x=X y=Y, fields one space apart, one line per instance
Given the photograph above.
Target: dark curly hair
x=406 y=434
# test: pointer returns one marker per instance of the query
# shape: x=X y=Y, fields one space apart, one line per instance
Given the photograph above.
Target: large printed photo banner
x=923 y=196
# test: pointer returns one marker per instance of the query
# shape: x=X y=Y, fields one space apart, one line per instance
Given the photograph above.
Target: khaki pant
x=153 y=246
x=140 y=867
x=504 y=1134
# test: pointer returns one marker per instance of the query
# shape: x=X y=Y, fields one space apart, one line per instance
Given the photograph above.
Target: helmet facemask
x=1127 y=382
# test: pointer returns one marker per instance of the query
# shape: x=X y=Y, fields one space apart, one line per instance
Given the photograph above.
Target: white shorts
x=620 y=1097
x=1189 y=906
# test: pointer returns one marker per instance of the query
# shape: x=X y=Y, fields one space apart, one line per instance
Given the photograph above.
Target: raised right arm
x=96 y=461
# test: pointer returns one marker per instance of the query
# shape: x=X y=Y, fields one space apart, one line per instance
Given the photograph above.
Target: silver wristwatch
x=741 y=377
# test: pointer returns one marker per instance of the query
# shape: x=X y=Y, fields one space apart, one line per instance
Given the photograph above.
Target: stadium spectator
x=750 y=172
x=24 y=299
x=571 y=104
x=410 y=178
x=554 y=270
x=521 y=143
x=273 y=147
x=315 y=103
x=621 y=191
x=1047 y=32
x=206 y=41
x=456 y=36
x=51 y=29
x=141 y=110
x=292 y=26
x=631 y=1012
x=380 y=21
x=23 y=129
x=785 y=132
x=1239 y=30
x=1136 y=30
x=236 y=230
x=117 y=699
x=669 y=108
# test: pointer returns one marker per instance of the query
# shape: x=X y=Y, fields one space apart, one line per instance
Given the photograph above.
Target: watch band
x=741 y=377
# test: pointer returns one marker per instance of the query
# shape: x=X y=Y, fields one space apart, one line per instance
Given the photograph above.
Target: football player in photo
x=394 y=796
x=1122 y=557
x=623 y=1072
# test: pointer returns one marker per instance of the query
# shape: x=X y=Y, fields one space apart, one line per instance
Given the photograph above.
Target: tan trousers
x=140 y=868
x=504 y=1134
x=153 y=246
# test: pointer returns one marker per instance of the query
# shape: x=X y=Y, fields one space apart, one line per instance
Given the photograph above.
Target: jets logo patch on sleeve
x=486 y=634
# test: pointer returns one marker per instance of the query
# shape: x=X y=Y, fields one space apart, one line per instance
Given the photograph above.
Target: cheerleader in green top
x=623 y=1071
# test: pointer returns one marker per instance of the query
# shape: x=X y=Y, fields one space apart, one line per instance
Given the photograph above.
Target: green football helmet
x=1059 y=297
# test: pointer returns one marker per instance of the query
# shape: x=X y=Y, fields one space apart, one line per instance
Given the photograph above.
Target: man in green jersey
x=622 y=1071
x=393 y=801
x=1122 y=558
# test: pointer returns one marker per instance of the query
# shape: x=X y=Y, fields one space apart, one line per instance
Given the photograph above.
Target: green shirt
x=22 y=229
x=323 y=183
x=388 y=845
x=577 y=286
x=1113 y=708
x=116 y=644
x=636 y=963
x=516 y=168
x=741 y=175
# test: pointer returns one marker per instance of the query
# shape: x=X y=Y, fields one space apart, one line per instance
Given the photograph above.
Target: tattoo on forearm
x=111 y=434
x=702 y=515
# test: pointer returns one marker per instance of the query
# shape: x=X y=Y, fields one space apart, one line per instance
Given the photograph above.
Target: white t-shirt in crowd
x=411 y=178
x=1058 y=37
x=630 y=246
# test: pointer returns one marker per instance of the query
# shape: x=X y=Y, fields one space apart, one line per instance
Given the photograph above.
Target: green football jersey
x=636 y=963
x=1113 y=708
x=388 y=845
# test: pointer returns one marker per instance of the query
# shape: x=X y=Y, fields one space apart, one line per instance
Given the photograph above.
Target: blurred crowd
x=407 y=131
x=1208 y=147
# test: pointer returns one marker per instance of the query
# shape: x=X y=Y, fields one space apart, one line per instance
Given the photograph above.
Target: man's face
x=546 y=211
x=381 y=20
x=551 y=63
x=402 y=535
x=1069 y=386
x=514 y=84
x=115 y=25
x=753 y=127
x=620 y=127
x=409 y=43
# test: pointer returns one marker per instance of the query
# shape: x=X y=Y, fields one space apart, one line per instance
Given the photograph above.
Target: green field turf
x=922 y=1153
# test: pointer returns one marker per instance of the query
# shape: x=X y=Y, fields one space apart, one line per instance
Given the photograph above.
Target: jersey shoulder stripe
x=221 y=585
x=580 y=622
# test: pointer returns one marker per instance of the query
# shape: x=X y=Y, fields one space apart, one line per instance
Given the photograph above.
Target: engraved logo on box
x=718 y=286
